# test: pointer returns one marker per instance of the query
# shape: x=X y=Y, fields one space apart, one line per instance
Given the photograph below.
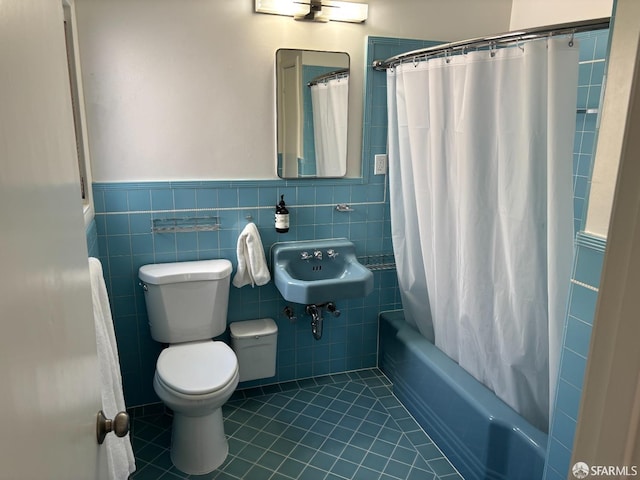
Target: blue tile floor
x=345 y=427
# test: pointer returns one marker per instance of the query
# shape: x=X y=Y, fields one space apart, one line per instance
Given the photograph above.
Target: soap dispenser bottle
x=282 y=217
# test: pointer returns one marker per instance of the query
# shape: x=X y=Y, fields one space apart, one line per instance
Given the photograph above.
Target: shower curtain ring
x=571 y=43
x=447 y=57
x=415 y=61
x=492 y=49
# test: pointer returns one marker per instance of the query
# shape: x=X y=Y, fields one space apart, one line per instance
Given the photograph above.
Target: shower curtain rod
x=343 y=72
x=495 y=41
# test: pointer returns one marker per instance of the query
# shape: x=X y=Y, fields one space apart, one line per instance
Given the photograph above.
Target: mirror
x=312 y=91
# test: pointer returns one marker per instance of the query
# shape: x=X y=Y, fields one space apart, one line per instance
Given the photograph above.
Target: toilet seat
x=197 y=368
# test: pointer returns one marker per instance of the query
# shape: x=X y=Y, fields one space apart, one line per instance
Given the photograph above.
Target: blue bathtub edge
x=482 y=436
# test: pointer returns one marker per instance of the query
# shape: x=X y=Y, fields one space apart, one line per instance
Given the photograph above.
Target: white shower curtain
x=329 y=102
x=480 y=171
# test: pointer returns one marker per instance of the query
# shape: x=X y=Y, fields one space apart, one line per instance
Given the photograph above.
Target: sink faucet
x=331 y=253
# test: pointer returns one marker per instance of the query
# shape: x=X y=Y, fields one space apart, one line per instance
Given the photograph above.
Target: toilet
x=187 y=306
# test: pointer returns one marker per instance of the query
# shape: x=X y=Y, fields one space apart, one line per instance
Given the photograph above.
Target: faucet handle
x=331 y=253
x=289 y=312
x=333 y=310
x=318 y=254
x=305 y=256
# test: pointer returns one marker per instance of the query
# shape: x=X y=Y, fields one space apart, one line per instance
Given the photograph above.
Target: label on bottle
x=282 y=221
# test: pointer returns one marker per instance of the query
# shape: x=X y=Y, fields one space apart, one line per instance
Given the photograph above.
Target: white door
x=49 y=392
x=292 y=121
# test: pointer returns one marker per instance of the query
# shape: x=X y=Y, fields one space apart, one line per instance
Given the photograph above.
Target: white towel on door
x=120 y=459
x=252 y=266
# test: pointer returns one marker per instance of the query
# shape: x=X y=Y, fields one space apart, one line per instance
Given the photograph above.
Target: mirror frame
x=301 y=108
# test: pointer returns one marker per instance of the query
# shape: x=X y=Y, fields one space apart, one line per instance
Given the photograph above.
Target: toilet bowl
x=194 y=380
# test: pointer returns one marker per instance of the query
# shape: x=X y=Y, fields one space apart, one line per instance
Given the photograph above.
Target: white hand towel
x=252 y=266
x=120 y=459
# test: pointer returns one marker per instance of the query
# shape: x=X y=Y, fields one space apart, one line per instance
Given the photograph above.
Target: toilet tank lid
x=253 y=328
x=162 y=273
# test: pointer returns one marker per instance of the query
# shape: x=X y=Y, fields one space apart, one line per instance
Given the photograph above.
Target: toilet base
x=198 y=444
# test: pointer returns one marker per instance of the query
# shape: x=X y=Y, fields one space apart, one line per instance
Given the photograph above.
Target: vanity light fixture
x=315 y=10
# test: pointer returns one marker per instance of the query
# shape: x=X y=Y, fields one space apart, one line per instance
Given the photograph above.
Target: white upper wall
x=533 y=13
x=528 y=13
x=184 y=89
x=624 y=60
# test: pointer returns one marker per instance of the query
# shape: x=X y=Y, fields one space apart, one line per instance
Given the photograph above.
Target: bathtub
x=481 y=435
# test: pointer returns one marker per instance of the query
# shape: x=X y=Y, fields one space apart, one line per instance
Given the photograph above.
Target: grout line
x=231 y=209
x=585 y=285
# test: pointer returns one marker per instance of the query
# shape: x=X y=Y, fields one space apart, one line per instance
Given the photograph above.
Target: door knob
x=119 y=425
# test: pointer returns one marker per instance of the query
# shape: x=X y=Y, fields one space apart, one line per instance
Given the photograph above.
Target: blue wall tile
x=184 y=198
x=228 y=198
x=568 y=399
x=139 y=223
x=559 y=457
x=139 y=200
x=564 y=429
x=590 y=80
x=577 y=335
x=582 y=301
x=572 y=367
x=588 y=267
x=117 y=224
x=116 y=200
x=118 y=245
x=91 y=234
x=161 y=199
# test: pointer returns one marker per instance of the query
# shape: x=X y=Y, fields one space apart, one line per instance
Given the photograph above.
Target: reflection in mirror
x=312 y=105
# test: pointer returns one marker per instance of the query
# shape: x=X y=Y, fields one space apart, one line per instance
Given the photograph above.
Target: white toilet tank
x=186 y=301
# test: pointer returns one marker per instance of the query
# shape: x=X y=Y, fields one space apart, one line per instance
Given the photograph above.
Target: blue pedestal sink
x=319 y=271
